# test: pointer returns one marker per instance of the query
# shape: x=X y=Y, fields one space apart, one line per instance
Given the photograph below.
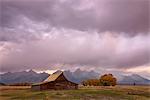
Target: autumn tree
x=91 y=82
x=108 y=80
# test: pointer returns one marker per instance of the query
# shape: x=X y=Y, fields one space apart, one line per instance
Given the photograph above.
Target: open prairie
x=83 y=93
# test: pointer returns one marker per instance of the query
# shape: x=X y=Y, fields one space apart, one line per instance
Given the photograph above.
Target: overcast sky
x=111 y=35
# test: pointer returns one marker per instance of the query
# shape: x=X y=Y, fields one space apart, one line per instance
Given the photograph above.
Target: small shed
x=56 y=81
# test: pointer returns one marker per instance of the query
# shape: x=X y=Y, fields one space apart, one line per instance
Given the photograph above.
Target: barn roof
x=51 y=78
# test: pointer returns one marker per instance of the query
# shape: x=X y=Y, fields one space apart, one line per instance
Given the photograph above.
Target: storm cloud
x=101 y=33
x=102 y=15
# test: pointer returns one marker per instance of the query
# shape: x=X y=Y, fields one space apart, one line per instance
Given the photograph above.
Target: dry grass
x=83 y=93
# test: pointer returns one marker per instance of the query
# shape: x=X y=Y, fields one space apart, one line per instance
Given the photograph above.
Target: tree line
x=104 y=80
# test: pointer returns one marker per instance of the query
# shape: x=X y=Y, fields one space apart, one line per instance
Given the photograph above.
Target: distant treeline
x=2 y=84
x=17 y=84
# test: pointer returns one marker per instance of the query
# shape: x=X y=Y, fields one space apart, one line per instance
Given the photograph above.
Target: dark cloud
x=113 y=15
x=100 y=33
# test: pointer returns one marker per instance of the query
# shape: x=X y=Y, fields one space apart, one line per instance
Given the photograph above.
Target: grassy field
x=83 y=93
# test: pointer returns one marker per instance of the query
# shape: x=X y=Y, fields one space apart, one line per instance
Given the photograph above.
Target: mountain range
x=134 y=79
x=24 y=76
x=77 y=76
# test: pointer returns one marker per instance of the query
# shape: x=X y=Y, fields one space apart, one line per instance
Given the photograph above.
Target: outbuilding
x=56 y=81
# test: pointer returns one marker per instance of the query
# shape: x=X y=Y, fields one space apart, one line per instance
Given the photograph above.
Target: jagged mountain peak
x=31 y=71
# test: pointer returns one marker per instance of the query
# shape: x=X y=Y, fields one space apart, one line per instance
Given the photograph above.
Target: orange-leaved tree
x=91 y=82
x=108 y=80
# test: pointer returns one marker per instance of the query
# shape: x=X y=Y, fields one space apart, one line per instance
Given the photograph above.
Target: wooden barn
x=56 y=81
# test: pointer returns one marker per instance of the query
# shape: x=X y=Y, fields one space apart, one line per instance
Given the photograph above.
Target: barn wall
x=58 y=85
x=65 y=85
x=35 y=87
x=46 y=86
